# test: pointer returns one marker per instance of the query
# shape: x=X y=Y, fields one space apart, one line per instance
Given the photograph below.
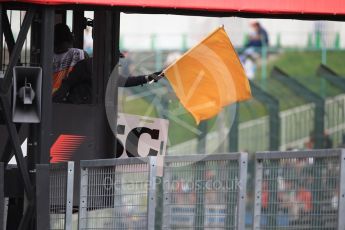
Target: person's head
x=63 y=38
x=255 y=25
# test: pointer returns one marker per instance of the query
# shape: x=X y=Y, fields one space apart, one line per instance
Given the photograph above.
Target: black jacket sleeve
x=134 y=81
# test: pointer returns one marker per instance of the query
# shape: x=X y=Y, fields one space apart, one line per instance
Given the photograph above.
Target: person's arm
x=138 y=80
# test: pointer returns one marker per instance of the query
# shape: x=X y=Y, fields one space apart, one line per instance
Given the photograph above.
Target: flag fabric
x=209 y=76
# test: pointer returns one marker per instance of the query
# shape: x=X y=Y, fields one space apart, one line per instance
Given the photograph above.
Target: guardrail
x=293 y=190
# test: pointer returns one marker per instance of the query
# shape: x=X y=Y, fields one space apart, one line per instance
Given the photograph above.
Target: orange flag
x=209 y=76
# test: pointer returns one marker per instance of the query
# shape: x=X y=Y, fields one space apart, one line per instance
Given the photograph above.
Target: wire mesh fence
x=117 y=194
x=204 y=192
x=299 y=190
x=61 y=195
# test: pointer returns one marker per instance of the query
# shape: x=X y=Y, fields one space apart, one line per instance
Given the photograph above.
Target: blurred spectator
x=258 y=37
x=327 y=141
x=304 y=198
x=264 y=196
x=335 y=199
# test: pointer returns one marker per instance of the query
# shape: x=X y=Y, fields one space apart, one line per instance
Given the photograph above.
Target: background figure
x=258 y=38
x=65 y=56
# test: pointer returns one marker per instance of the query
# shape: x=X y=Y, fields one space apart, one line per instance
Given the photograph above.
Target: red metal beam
x=320 y=7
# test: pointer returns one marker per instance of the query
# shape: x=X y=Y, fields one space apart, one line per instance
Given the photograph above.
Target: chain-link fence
x=204 y=192
x=293 y=190
x=61 y=195
x=117 y=194
x=300 y=190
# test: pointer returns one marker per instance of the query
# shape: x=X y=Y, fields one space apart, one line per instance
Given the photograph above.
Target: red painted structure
x=270 y=7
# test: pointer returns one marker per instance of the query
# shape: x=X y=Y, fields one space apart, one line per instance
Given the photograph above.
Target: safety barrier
x=61 y=195
x=117 y=194
x=204 y=191
x=300 y=190
x=293 y=190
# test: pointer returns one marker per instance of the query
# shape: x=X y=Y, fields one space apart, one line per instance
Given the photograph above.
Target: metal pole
x=263 y=67
x=82 y=221
x=341 y=201
x=201 y=148
x=9 y=38
x=1 y=36
x=306 y=93
x=151 y=196
x=2 y=197
x=13 y=137
x=105 y=56
x=42 y=194
x=78 y=28
x=233 y=134
x=47 y=53
x=200 y=194
x=242 y=188
x=258 y=194
x=69 y=195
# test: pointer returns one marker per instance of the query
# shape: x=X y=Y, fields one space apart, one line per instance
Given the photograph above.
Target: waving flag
x=209 y=76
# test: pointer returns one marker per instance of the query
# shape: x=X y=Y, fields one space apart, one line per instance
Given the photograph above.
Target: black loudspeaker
x=27 y=87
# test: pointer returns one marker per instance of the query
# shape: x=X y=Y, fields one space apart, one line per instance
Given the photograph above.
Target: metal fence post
x=2 y=196
x=201 y=147
x=242 y=185
x=331 y=76
x=83 y=198
x=151 y=198
x=273 y=112
x=234 y=132
x=307 y=94
x=69 y=195
x=341 y=201
x=42 y=194
x=200 y=195
x=257 y=204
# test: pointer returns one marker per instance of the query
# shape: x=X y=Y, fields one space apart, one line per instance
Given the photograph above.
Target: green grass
x=302 y=66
